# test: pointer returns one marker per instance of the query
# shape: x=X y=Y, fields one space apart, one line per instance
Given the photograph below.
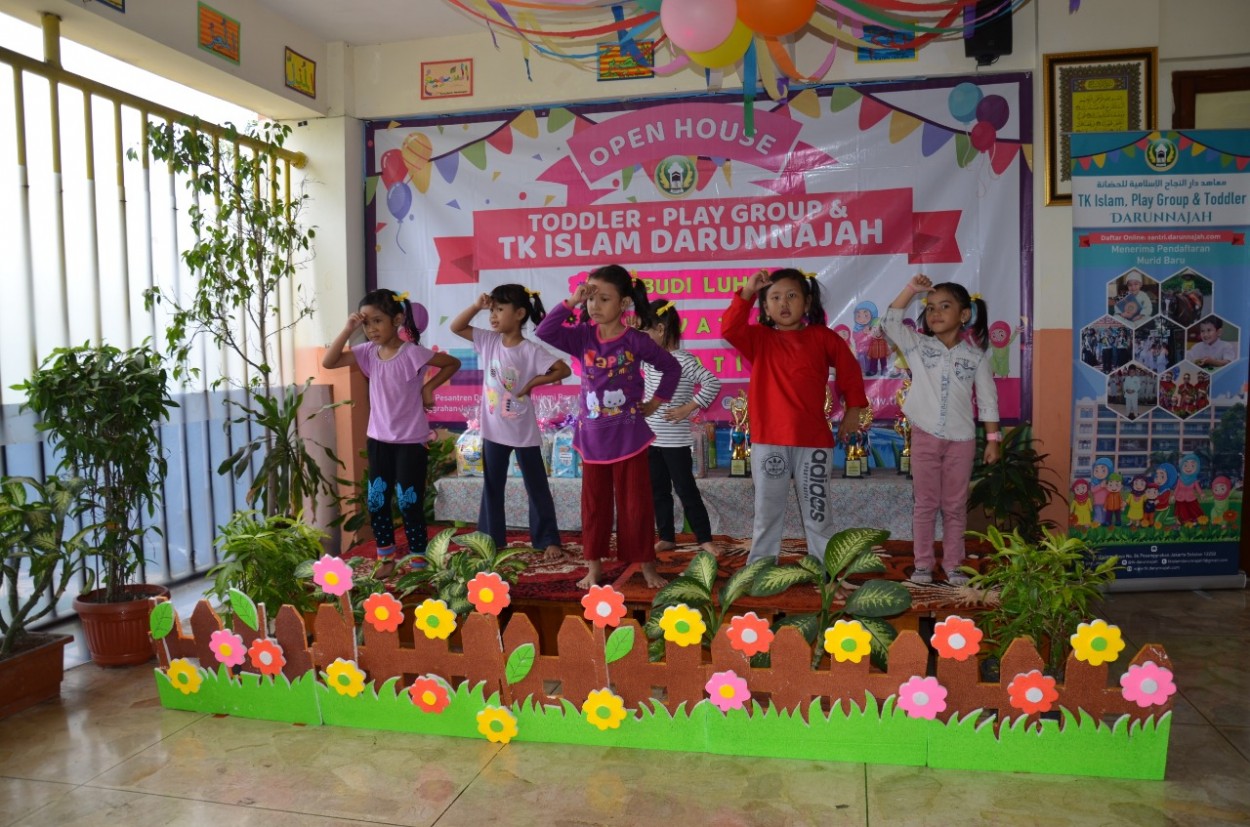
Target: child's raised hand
x=920 y=283
x=483 y=301
x=757 y=282
x=354 y=321
x=584 y=291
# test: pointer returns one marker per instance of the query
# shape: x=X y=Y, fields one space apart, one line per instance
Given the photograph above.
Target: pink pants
x=941 y=471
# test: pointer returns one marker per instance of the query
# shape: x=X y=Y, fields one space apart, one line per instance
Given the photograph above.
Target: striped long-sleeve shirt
x=693 y=374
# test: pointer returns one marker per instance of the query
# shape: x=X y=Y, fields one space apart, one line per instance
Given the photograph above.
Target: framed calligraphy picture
x=1112 y=91
x=447 y=78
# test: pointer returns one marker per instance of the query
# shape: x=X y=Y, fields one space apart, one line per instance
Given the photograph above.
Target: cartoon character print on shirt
x=613 y=401
x=592 y=405
x=930 y=356
x=965 y=369
x=501 y=383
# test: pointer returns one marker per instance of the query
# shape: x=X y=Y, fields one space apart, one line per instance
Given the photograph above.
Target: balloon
x=993 y=109
x=417 y=151
x=729 y=52
x=649 y=5
x=963 y=101
x=699 y=25
x=983 y=136
x=420 y=316
x=775 y=18
x=393 y=169
x=399 y=201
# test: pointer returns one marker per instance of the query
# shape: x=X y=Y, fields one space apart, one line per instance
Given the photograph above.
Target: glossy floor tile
x=107 y=753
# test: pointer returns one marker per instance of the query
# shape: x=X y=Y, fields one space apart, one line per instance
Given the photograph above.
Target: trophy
x=865 y=425
x=854 y=466
x=902 y=427
x=739 y=437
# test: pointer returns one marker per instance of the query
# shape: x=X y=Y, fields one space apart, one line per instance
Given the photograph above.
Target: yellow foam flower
x=683 y=625
x=604 y=708
x=848 y=640
x=435 y=620
x=1097 y=643
x=497 y=724
x=345 y=677
x=185 y=677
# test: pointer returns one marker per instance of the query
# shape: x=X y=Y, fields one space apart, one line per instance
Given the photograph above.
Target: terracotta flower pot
x=33 y=675
x=117 y=633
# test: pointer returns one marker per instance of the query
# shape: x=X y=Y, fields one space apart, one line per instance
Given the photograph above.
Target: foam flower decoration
x=435 y=619
x=185 y=677
x=345 y=677
x=1097 y=643
x=1032 y=692
x=227 y=647
x=383 y=612
x=604 y=606
x=727 y=691
x=604 y=708
x=332 y=575
x=682 y=625
x=922 y=697
x=266 y=656
x=1147 y=685
x=750 y=634
x=430 y=693
x=848 y=640
x=957 y=638
x=488 y=592
x=497 y=724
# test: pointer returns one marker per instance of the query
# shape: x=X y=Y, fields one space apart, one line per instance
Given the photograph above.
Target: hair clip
x=976 y=297
x=667 y=306
x=530 y=292
x=401 y=297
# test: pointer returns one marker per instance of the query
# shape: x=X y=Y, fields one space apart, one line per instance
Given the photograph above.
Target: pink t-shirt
x=395 y=410
x=504 y=419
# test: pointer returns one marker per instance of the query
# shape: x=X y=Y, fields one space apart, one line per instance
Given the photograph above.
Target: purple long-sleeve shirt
x=611 y=426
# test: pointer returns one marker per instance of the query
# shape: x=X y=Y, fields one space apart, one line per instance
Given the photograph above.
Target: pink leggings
x=941 y=470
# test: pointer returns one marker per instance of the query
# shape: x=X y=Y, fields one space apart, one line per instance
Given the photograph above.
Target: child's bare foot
x=665 y=545
x=653 y=578
x=711 y=548
x=553 y=553
x=594 y=568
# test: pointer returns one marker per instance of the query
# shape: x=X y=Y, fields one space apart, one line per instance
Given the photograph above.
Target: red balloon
x=393 y=168
x=983 y=135
x=775 y=18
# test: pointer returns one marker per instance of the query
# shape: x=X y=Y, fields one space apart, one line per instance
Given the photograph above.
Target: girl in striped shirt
x=670 y=454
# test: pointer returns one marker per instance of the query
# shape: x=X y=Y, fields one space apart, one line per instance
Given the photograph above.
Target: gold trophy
x=865 y=425
x=902 y=427
x=739 y=437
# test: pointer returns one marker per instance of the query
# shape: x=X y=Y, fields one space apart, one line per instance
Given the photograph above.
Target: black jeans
x=399 y=470
x=674 y=468
x=490 y=519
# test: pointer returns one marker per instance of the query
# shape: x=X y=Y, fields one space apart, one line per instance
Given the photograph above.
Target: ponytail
x=521 y=296
x=393 y=304
x=627 y=287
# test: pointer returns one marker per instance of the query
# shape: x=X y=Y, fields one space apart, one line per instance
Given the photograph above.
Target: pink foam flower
x=922 y=697
x=727 y=691
x=1148 y=684
x=332 y=575
x=227 y=647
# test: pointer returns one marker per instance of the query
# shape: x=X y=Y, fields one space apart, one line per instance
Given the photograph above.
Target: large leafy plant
x=696 y=587
x=249 y=245
x=101 y=409
x=1041 y=590
x=262 y=557
x=1012 y=492
x=38 y=552
x=447 y=571
x=849 y=553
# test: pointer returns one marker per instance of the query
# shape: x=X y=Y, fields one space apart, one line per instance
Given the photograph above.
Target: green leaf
x=703 y=570
x=243 y=608
x=520 y=662
x=620 y=642
x=436 y=549
x=848 y=544
x=866 y=563
x=776 y=579
x=683 y=589
x=740 y=581
x=161 y=621
x=808 y=624
x=883 y=634
x=879 y=598
x=481 y=544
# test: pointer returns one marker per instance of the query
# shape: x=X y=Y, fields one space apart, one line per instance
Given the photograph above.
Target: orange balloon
x=417 y=151
x=776 y=18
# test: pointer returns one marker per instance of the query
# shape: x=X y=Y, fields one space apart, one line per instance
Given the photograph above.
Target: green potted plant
x=447 y=572
x=1012 y=492
x=1041 y=590
x=249 y=245
x=101 y=410
x=262 y=557
x=39 y=559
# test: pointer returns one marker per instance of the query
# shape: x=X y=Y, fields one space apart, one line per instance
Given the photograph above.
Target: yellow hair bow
x=667 y=306
x=530 y=292
x=401 y=297
x=975 y=297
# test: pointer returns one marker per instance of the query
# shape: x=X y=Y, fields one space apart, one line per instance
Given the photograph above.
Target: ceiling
x=362 y=22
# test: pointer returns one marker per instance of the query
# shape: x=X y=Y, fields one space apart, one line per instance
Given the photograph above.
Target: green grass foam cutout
x=247 y=696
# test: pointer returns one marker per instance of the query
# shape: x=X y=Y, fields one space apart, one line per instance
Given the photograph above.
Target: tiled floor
x=107 y=753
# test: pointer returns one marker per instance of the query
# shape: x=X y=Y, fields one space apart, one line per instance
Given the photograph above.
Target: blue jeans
x=490 y=519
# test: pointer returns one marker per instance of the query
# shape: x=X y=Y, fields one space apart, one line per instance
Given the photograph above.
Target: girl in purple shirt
x=612 y=434
x=399 y=396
